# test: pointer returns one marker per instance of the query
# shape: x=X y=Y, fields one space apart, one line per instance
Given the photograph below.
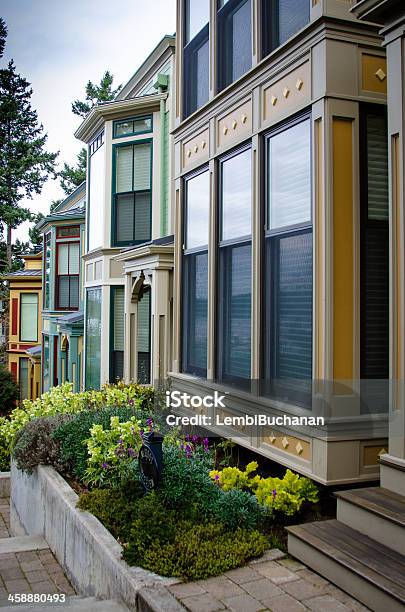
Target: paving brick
x=9 y=560
x=262 y=589
x=61 y=582
x=284 y=603
x=243 y=574
x=312 y=577
x=291 y=564
x=32 y=566
x=301 y=589
x=46 y=586
x=11 y=573
x=275 y=572
x=243 y=603
x=27 y=556
x=17 y=586
x=202 y=604
x=220 y=587
x=325 y=603
x=269 y=555
x=187 y=589
x=36 y=576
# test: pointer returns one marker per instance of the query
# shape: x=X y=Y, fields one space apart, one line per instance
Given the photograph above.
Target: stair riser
x=348 y=581
x=376 y=527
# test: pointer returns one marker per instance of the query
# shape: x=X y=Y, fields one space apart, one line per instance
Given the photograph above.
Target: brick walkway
x=274 y=582
x=28 y=572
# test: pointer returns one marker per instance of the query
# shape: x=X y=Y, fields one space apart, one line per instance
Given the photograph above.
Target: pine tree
x=96 y=93
x=72 y=176
x=24 y=163
x=3 y=36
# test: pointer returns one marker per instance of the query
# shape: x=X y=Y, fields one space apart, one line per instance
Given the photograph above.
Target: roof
x=34 y=351
x=73 y=213
x=23 y=274
x=73 y=317
x=76 y=194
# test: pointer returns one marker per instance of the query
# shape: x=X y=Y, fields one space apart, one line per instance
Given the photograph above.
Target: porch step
x=375 y=512
x=73 y=604
x=22 y=544
x=369 y=571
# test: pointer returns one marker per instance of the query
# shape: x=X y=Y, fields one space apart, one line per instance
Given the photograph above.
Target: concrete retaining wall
x=4 y=484
x=45 y=505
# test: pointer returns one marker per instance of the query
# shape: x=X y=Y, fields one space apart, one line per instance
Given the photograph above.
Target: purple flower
x=131 y=402
x=104 y=466
x=274 y=492
x=141 y=431
x=131 y=452
x=195 y=439
x=216 y=476
x=188 y=437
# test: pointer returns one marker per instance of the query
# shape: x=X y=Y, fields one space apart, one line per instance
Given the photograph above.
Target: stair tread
x=383 y=502
x=73 y=604
x=371 y=560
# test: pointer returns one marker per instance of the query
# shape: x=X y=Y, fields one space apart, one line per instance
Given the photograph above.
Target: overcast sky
x=58 y=45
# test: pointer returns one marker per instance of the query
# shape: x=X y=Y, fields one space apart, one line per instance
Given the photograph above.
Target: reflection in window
x=93 y=338
x=196 y=55
x=236 y=196
x=234 y=41
x=29 y=317
x=117 y=327
x=197 y=211
x=281 y=20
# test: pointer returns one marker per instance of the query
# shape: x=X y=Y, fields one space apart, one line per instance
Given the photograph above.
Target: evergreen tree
x=96 y=93
x=3 y=36
x=24 y=163
x=72 y=176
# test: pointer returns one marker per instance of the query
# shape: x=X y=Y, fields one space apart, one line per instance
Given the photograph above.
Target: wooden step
x=369 y=571
x=375 y=512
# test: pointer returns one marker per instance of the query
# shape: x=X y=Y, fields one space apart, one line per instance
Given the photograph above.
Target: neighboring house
x=281 y=242
x=2 y=325
x=62 y=306
x=25 y=287
x=129 y=244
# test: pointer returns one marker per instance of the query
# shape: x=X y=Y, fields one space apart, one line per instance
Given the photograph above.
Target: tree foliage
x=3 y=36
x=72 y=176
x=9 y=391
x=103 y=92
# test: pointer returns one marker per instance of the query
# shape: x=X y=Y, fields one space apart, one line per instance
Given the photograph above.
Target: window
x=143 y=336
x=195 y=271
x=68 y=232
x=29 y=317
x=67 y=280
x=196 y=55
x=118 y=334
x=281 y=20
x=132 y=193
x=288 y=263
x=130 y=127
x=97 y=143
x=47 y=271
x=45 y=364
x=234 y=40
x=93 y=338
x=235 y=277
x=23 y=378
x=374 y=346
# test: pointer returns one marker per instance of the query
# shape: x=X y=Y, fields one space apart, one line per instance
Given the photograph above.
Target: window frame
x=133 y=118
x=113 y=289
x=46 y=297
x=57 y=276
x=114 y=193
x=268 y=280
x=21 y=339
x=62 y=227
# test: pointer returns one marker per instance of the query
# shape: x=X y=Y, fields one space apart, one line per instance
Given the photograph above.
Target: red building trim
x=13 y=369
x=14 y=316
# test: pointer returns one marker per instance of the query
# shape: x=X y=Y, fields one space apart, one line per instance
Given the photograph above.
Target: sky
x=58 y=45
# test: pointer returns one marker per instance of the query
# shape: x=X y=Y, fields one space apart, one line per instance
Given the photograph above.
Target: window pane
x=123 y=128
x=45 y=365
x=93 y=338
x=63 y=292
x=293 y=15
x=142 y=167
x=74 y=258
x=290 y=176
x=142 y=125
x=235 y=317
x=377 y=166
x=197 y=15
x=143 y=338
x=235 y=41
x=236 y=196
x=124 y=169
x=119 y=299
x=142 y=217
x=198 y=202
x=23 y=378
x=63 y=259
x=195 y=300
x=290 y=262
x=125 y=218
x=68 y=232
x=74 y=292
x=196 y=73
x=29 y=317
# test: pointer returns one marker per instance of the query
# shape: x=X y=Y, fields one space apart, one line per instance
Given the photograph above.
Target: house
x=281 y=257
x=25 y=295
x=63 y=298
x=129 y=242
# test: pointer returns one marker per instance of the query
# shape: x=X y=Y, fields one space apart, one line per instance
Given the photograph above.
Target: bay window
x=288 y=263
x=195 y=274
x=93 y=338
x=118 y=333
x=281 y=20
x=235 y=276
x=67 y=279
x=45 y=364
x=196 y=55
x=47 y=271
x=234 y=38
x=132 y=213
x=29 y=317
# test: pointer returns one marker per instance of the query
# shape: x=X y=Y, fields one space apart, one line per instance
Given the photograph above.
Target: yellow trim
x=396 y=191
x=374 y=73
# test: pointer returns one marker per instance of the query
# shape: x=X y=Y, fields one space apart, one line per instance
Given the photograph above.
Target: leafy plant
x=9 y=391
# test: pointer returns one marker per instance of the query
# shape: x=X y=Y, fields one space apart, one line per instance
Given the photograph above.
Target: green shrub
x=33 y=444
x=238 y=509
x=72 y=435
x=9 y=391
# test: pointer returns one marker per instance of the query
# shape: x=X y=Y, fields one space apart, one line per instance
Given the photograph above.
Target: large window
x=374 y=357
x=288 y=263
x=47 y=271
x=133 y=126
x=67 y=279
x=281 y=20
x=195 y=271
x=118 y=332
x=45 y=364
x=24 y=378
x=93 y=338
x=196 y=55
x=29 y=317
x=235 y=278
x=143 y=336
x=132 y=193
x=234 y=40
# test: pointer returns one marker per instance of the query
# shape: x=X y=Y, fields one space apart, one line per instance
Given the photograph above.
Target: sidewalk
x=273 y=582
